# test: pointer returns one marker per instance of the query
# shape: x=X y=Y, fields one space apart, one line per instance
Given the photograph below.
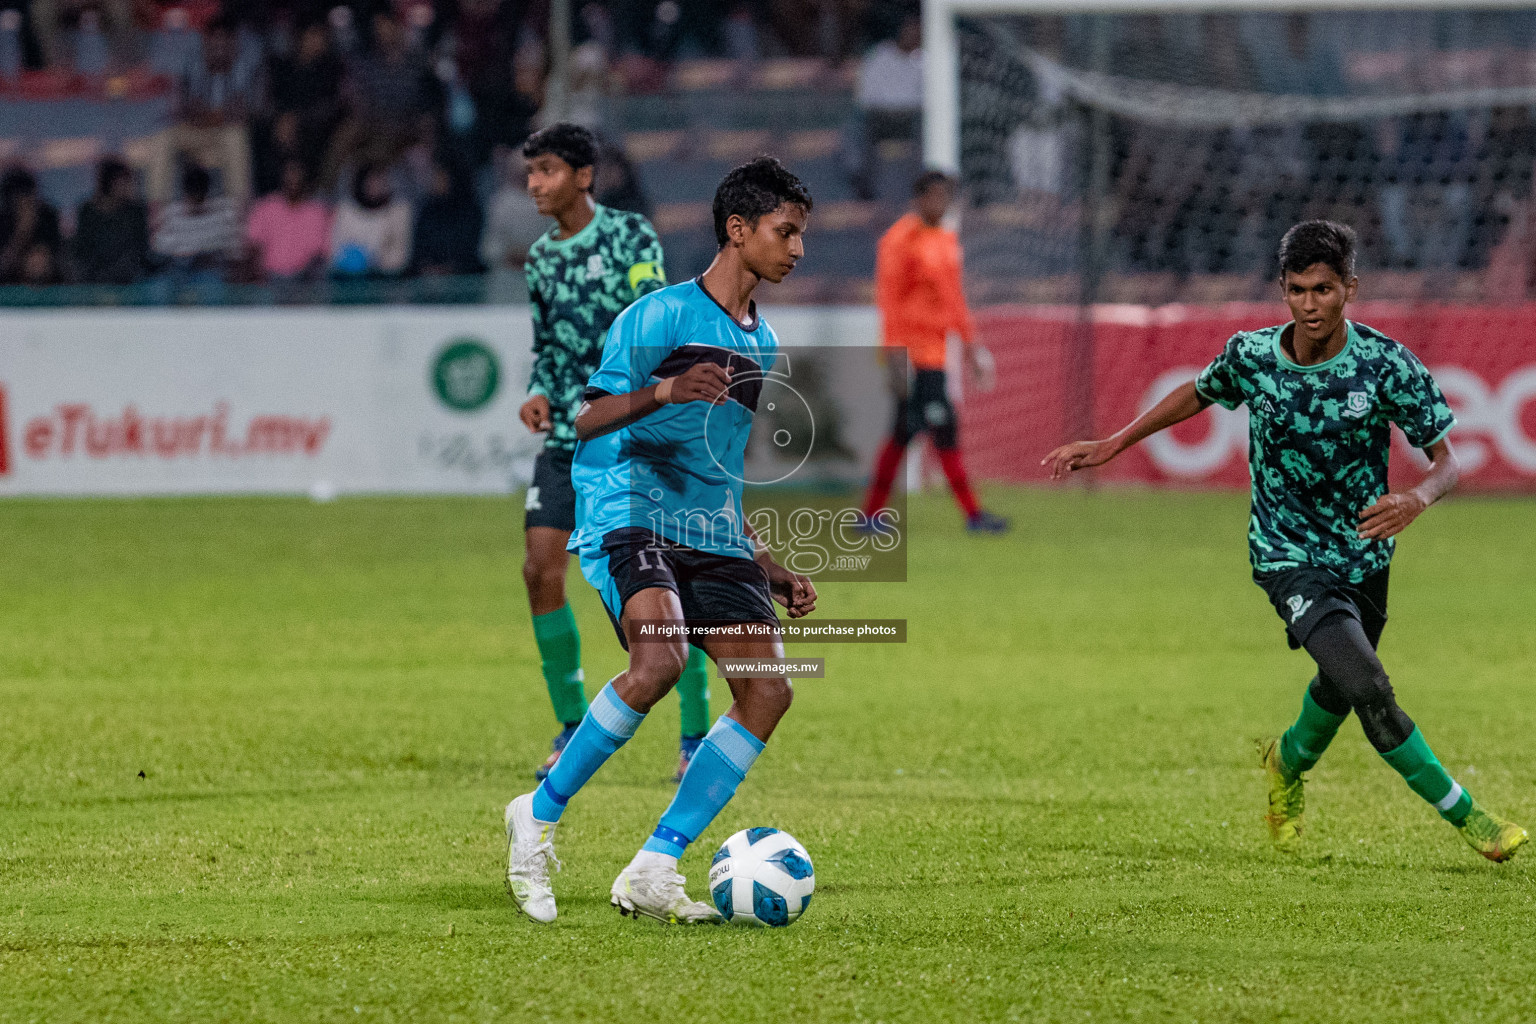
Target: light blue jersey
x=677 y=472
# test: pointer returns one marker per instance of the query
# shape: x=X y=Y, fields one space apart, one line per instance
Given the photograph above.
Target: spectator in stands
x=371 y=235
x=742 y=40
x=198 y=237
x=1294 y=58
x=447 y=236
x=615 y=184
x=393 y=100
x=112 y=229
x=1504 y=160
x=890 y=101
x=483 y=41
x=306 y=105
x=217 y=94
x=514 y=223
x=587 y=104
x=29 y=229
x=1425 y=200
x=116 y=16
x=290 y=231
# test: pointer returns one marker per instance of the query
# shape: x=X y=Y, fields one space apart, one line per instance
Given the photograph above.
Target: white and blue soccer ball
x=761 y=876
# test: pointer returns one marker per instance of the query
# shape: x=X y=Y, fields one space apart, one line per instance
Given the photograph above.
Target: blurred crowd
x=371 y=138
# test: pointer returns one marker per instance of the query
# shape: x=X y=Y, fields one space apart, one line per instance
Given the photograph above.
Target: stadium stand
x=1441 y=193
x=437 y=96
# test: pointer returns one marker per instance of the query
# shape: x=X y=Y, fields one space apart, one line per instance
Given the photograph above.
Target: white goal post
x=941 y=55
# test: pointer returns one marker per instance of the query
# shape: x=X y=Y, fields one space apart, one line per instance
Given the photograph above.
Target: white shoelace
x=536 y=861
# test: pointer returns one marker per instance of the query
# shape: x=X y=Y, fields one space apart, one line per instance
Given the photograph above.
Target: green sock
x=560 y=650
x=1304 y=742
x=1418 y=766
x=693 y=693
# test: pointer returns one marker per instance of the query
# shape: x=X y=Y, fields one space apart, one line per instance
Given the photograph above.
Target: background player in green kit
x=1322 y=394
x=581 y=274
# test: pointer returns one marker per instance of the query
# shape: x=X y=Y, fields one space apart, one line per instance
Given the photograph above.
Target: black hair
x=755 y=189
x=109 y=172
x=930 y=178
x=1318 y=241
x=570 y=142
x=196 y=181
x=17 y=182
x=360 y=185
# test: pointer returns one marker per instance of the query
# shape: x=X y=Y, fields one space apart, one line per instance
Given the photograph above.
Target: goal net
x=1159 y=157
x=1128 y=177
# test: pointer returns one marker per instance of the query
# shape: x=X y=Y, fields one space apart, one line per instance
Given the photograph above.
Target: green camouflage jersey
x=577 y=286
x=1319 y=437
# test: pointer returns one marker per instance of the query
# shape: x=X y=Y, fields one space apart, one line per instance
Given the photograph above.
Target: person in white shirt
x=889 y=98
x=371 y=234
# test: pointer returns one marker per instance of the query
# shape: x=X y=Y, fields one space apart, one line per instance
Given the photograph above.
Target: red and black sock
x=954 y=471
x=886 y=467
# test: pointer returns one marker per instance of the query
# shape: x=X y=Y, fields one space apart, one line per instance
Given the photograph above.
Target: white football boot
x=651 y=887
x=530 y=852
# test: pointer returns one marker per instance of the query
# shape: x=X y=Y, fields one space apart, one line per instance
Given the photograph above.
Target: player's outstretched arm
x=701 y=382
x=1181 y=403
x=1390 y=514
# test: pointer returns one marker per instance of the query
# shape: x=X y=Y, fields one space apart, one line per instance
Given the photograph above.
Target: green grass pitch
x=1044 y=807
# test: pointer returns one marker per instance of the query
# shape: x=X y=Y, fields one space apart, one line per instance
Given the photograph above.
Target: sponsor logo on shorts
x=1299 y=606
x=532 y=502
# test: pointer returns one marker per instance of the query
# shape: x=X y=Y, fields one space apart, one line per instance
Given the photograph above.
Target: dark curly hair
x=570 y=142
x=755 y=189
x=928 y=179
x=1318 y=241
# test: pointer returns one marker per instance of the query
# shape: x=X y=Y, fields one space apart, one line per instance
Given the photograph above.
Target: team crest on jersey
x=1358 y=404
x=595 y=266
x=1299 y=606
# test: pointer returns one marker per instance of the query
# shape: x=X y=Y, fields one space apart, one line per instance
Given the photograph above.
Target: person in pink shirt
x=290 y=231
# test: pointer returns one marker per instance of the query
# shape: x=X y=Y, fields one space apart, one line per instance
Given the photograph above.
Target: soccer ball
x=761 y=876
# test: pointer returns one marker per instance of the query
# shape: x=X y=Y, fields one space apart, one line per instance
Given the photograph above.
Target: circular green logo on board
x=465 y=374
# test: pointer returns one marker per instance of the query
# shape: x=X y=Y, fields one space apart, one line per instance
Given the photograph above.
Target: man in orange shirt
x=918 y=290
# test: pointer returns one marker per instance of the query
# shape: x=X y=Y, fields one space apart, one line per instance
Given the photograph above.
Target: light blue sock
x=608 y=723
x=709 y=783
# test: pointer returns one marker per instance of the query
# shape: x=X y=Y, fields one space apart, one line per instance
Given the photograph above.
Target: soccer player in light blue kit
x=664 y=539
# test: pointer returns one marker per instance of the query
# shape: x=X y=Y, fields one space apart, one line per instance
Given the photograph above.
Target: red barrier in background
x=1484 y=358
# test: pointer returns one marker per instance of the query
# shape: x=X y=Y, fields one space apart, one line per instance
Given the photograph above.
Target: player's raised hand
x=792 y=590
x=1078 y=455
x=701 y=382
x=535 y=414
x=1390 y=515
